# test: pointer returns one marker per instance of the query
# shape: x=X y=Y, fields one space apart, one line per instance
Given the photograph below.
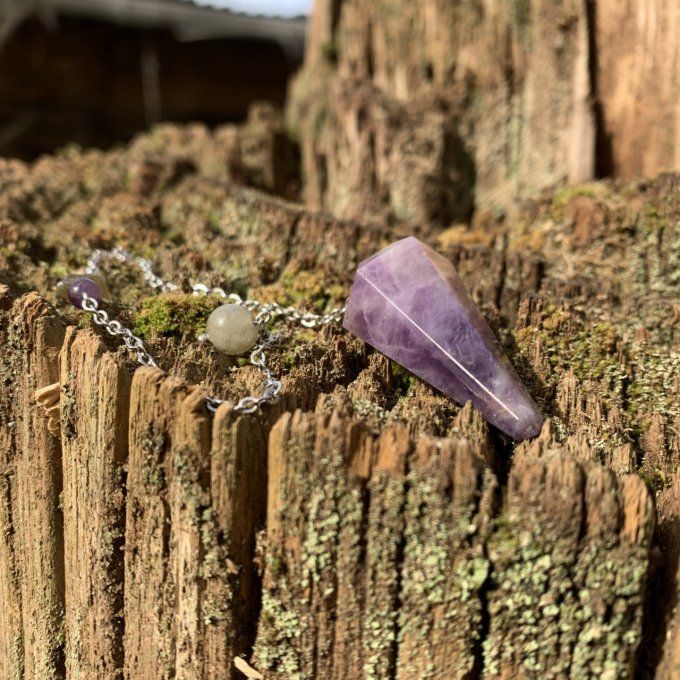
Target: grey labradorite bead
x=231 y=329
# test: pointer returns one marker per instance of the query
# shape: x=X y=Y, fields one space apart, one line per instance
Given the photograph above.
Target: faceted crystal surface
x=408 y=302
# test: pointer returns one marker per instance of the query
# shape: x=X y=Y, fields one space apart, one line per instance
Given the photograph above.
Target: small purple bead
x=83 y=286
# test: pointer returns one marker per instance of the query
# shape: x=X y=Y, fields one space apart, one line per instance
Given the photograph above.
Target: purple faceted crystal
x=408 y=302
x=80 y=287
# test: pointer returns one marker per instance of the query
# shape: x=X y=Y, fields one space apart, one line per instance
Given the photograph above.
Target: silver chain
x=132 y=342
x=264 y=313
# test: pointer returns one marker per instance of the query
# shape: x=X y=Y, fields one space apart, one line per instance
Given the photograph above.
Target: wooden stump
x=424 y=109
x=364 y=526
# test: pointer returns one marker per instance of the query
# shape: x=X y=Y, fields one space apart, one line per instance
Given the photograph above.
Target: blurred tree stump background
x=365 y=526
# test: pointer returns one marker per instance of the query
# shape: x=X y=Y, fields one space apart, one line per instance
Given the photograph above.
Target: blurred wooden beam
x=88 y=82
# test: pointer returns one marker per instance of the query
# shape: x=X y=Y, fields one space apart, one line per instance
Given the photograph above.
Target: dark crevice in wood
x=402 y=546
x=662 y=598
x=604 y=153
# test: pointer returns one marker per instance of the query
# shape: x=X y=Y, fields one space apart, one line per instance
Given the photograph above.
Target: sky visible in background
x=284 y=8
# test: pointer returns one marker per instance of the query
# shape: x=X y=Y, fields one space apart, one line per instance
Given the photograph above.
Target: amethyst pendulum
x=408 y=302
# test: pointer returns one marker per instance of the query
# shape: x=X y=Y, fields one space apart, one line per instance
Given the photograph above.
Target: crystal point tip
x=408 y=302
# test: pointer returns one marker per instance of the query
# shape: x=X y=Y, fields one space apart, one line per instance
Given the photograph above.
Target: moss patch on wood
x=174 y=315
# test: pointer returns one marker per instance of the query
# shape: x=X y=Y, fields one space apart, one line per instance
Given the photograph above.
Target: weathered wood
x=11 y=628
x=569 y=563
x=401 y=531
x=31 y=550
x=420 y=110
x=637 y=79
x=94 y=406
x=238 y=487
x=551 y=572
x=449 y=503
x=150 y=583
x=194 y=504
x=188 y=498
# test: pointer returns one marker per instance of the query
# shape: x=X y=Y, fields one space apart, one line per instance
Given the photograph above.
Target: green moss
x=402 y=379
x=632 y=376
x=383 y=537
x=300 y=348
x=281 y=628
x=656 y=479
x=590 y=350
x=330 y=52
x=16 y=655
x=565 y=196
x=153 y=444
x=541 y=590
x=521 y=14
x=173 y=315
x=309 y=288
x=68 y=408
x=651 y=389
x=70 y=151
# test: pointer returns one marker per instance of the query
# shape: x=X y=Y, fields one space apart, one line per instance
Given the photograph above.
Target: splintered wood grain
x=31 y=547
x=447 y=513
x=188 y=500
x=348 y=655
x=406 y=563
x=150 y=583
x=370 y=567
x=286 y=644
x=569 y=566
x=95 y=403
x=383 y=105
x=238 y=487
x=313 y=585
x=195 y=499
x=533 y=553
x=385 y=523
x=637 y=82
x=11 y=628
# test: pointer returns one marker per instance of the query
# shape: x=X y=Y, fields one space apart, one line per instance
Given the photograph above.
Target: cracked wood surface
x=365 y=526
x=422 y=109
x=95 y=389
x=32 y=553
x=523 y=586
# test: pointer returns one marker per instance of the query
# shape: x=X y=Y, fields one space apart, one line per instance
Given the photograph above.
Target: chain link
x=131 y=341
x=124 y=257
x=264 y=314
